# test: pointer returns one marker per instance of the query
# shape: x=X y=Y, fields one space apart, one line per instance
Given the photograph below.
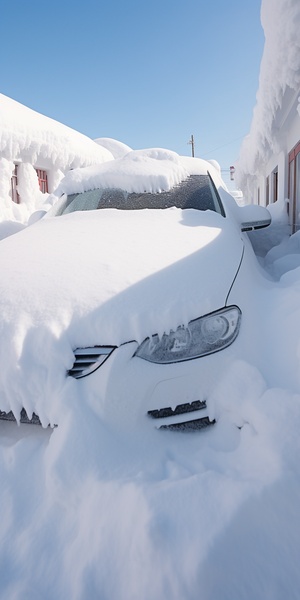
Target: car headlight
x=201 y=337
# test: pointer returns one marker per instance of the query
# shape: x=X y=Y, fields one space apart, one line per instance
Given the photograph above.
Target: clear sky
x=145 y=73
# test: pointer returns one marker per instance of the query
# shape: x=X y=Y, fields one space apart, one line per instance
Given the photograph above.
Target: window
x=267 y=191
x=275 y=185
x=198 y=192
x=294 y=186
x=14 y=182
x=43 y=180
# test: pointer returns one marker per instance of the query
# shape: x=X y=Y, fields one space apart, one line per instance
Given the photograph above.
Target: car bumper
x=129 y=391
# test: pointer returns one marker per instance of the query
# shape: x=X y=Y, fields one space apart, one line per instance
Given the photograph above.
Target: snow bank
x=273 y=235
x=88 y=512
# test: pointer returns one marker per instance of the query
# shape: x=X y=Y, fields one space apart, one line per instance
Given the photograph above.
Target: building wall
x=271 y=181
x=264 y=164
x=35 y=152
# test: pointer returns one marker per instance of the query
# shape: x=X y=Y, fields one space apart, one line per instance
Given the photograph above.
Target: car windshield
x=198 y=192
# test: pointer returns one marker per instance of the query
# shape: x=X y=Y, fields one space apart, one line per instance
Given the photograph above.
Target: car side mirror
x=254 y=217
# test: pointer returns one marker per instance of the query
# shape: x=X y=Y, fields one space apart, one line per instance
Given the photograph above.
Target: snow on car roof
x=150 y=170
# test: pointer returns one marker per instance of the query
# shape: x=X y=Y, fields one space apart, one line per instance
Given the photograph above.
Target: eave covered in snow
x=29 y=136
x=35 y=153
x=265 y=170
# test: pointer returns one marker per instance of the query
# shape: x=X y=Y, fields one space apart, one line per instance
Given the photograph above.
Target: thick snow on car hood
x=142 y=272
x=107 y=277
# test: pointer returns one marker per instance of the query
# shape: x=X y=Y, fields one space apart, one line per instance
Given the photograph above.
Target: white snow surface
x=147 y=170
x=34 y=140
x=138 y=288
x=279 y=71
x=117 y=149
x=93 y=510
x=150 y=170
x=27 y=133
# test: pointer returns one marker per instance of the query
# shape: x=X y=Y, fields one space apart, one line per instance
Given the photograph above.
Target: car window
x=198 y=192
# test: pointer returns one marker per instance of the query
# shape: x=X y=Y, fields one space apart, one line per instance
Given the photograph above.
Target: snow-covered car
x=132 y=292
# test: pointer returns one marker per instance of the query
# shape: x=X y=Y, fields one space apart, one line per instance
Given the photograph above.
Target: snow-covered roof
x=279 y=81
x=32 y=137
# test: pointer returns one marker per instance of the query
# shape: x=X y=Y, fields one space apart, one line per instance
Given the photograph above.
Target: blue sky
x=146 y=73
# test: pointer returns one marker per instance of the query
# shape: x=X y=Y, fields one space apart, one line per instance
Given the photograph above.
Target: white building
x=269 y=164
x=35 y=153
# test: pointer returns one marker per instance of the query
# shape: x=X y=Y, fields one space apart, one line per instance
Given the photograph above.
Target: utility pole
x=191 y=141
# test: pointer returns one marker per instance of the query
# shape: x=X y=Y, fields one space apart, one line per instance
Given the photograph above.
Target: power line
x=223 y=146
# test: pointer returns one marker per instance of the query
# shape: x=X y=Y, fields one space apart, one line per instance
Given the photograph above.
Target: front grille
x=87 y=360
x=173 y=418
x=194 y=425
x=179 y=410
x=9 y=416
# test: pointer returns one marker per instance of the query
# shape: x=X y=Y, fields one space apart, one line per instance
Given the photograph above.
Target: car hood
x=124 y=274
x=107 y=277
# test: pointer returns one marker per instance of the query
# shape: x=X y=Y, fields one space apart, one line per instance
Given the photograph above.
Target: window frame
x=267 y=190
x=43 y=180
x=275 y=185
x=134 y=202
x=14 y=185
x=293 y=177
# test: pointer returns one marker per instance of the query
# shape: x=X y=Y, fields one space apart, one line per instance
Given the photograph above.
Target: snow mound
x=117 y=149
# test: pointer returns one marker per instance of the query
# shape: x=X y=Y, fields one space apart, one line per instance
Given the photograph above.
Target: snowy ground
x=89 y=511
